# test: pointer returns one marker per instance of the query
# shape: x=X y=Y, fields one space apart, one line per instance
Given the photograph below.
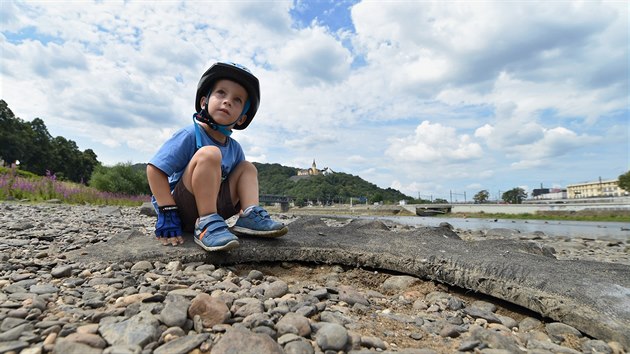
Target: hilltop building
x=313 y=171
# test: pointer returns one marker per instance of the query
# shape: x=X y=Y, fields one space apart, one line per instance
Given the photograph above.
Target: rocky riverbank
x=51 y=304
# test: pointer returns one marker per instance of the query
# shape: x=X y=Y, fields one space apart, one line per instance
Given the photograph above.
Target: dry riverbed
x=51 y=305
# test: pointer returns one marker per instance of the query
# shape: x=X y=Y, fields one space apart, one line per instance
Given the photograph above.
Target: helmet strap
x=205 y=117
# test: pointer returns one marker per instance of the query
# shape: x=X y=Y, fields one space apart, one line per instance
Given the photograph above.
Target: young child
x=199 y=177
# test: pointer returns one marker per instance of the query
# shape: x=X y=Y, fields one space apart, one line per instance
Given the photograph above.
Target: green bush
x=121 y=178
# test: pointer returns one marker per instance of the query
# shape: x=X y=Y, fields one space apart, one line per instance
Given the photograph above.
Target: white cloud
x=313 y=57
x=475 y=186
x=357 y=159
x=428 y=96
x=434 y=143
x=556 y=144
x=309 y=142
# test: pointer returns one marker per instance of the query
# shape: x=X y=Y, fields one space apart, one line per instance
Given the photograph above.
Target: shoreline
x=396 y=210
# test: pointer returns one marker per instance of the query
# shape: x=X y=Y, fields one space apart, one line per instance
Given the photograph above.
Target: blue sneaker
x=257 y=222
x=212 y=234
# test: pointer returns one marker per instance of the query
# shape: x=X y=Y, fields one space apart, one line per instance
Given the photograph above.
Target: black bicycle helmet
x=234 y=72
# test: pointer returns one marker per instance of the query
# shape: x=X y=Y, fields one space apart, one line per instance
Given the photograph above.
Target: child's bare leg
x=244 y=184
x=253 y=220
x=203 y=178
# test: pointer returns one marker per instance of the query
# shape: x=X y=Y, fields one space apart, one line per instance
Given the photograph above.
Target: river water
x=617 y=231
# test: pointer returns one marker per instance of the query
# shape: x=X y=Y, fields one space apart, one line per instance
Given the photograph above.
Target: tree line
x=513 y=196
x=31 y=147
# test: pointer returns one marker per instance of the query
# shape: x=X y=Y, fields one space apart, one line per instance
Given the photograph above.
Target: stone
x=175 y=312
x=211 y=310
x=351 y=296
x=298 y=347
x=299 y=322
x=182 y=345
x=62 y=271
x=529 y=323
x=476 y=312
x=276 y=289
x=243 y=341
x=331 y=336
x=558 y=331
x=69 y=347
x=92 y=340
x=373 y=342
x=139 y=330
x=399 y=282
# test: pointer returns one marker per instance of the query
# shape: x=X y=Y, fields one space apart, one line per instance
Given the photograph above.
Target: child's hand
x=168 y=228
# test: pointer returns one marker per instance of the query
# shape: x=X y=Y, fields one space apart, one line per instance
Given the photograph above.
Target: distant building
x=539 y=191
x=600 y=188
x=313 y=171
x=550 y=193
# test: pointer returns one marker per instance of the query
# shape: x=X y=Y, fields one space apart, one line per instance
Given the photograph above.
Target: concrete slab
x=593 y=297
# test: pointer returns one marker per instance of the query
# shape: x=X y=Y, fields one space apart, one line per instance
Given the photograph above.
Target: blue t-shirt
x=175 y=154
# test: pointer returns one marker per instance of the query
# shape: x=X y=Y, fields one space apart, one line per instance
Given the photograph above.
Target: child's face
x=226 y=102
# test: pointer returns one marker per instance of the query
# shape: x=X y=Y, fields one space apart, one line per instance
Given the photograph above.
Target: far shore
x=396 y=210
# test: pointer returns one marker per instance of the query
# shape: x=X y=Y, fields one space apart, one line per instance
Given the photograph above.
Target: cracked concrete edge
x=522 y=280
x=557 y=307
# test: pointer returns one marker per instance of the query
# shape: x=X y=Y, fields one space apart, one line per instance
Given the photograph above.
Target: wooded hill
x=333 y=188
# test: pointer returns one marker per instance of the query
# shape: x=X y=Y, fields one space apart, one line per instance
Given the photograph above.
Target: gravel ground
x=51 y=305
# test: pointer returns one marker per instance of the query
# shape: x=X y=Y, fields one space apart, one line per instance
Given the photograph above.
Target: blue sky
x=425 y=97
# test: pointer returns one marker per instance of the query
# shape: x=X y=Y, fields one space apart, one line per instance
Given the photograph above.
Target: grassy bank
x=585 y=215
x=25 y=186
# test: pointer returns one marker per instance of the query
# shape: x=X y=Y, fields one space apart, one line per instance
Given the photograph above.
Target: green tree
x=67 y=159
x=376 y=198
x=514 y=196
x=440 y=201
x=14 y=136
x=624 y=181
x=89 y=163
x=40 y=156
x=481 y=196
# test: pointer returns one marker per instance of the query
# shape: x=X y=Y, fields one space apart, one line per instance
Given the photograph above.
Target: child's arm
x=169 y=226
x=158 y=182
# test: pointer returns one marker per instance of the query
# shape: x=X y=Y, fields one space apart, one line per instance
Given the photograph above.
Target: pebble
x=48 y=304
